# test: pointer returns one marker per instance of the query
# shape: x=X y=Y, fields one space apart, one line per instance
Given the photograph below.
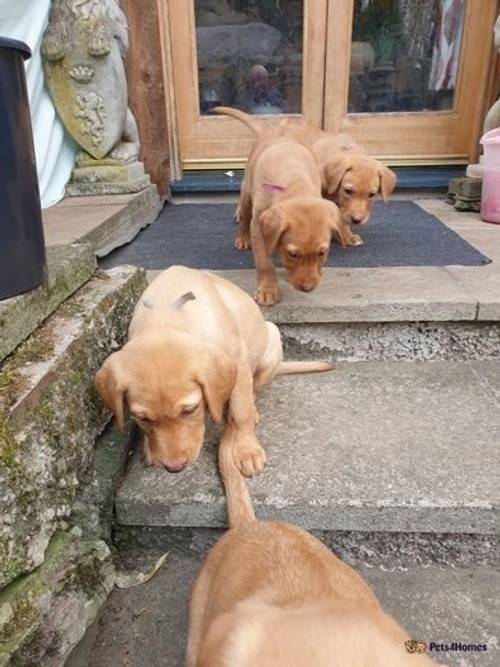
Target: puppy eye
x=322 y=254
x=293 y=254
x=371 y=195
x=348 y=191
x=186 y=412
x=142 y=419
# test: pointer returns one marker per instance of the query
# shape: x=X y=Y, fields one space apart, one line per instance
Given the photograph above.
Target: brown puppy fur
x=281 y=209
x=196 y=342
x=270 y=594
x=349 y=176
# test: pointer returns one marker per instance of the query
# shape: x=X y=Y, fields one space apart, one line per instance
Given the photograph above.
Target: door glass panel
x=250 y=54
x=405 y=55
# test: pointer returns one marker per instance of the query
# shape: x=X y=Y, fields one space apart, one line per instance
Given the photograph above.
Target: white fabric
x=55 y=150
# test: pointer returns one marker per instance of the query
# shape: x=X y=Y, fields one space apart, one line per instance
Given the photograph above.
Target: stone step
x=68 y=268
x=105 y=222
x=375 y=446
x=50 y=414
x=146 y=626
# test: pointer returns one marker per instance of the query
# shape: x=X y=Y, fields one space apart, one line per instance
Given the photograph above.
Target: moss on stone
x=24 y=616
x=37 y=348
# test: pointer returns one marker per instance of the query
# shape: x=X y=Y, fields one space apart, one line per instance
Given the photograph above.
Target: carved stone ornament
x=83 y=50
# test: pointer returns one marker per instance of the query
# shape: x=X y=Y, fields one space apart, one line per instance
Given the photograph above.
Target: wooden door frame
x=214 y=131
x=462 y=124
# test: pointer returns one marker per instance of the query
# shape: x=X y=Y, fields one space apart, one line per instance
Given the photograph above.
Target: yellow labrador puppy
x=196 y=341
x=349 y=176
x=270 y=594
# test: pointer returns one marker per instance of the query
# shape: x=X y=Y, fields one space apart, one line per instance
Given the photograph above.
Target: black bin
x=22 y=247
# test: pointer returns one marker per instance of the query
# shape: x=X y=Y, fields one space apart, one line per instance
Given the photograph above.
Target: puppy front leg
x=267 y=292
x=248 y=452
x=346 y=236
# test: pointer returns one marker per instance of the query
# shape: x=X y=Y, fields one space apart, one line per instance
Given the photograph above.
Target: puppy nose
x=357 y=221
x=307 y=287
x=175 y=466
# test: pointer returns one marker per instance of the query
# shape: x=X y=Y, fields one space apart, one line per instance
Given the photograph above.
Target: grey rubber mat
x=400 y=233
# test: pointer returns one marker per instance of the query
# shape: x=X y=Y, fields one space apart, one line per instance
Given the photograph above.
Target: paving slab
x=106 y=222
x=147 y=626
x=376 y=446
x=366 y=295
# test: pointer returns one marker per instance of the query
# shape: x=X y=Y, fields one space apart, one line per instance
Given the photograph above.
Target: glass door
x=265 y=57
x=408 y=78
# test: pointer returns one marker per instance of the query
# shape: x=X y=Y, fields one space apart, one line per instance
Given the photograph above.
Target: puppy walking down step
x=281 y=210
x=270 y=594
x=196 y=342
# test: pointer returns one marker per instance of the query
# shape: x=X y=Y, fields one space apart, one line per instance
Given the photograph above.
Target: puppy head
x=300 y=230
x=167 y=383
x=352 y=181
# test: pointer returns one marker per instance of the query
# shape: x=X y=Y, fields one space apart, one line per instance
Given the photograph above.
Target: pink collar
x=273 y=187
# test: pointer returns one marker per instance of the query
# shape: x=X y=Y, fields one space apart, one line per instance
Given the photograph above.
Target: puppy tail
x=239 y=115
x=239 y=504
x=289 y=367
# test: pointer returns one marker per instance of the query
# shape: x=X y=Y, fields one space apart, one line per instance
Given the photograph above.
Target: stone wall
x=50 y=416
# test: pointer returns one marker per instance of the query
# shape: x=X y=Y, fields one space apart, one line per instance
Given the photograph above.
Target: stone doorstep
x=68 y=268
x=106 y=222
x=50 y=415
x=377 y=446
x=394 y=294
x=43 y=616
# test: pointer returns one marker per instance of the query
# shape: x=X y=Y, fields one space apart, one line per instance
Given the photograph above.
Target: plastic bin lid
x=7 y=43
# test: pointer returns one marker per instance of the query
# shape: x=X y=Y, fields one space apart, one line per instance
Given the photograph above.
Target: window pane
x=250 y=54
x=405 y=55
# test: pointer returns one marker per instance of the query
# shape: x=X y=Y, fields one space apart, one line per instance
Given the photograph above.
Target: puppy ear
x=340 y=231
x=333 y=173
x=387 y=181
x=111 y=387
x=272 y=225
x=216 y=375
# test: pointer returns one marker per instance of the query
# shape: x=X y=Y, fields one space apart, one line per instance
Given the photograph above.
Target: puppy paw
x=250 y=458
x=267 y=296
x=355 y=240
x=242 y=243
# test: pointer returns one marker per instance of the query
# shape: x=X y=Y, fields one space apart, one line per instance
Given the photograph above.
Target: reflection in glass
x=405 y=55
x=250 y=54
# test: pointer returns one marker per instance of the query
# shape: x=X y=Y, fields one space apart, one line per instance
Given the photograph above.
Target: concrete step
x=375 y=446
x=146 y=626
x=68 y=268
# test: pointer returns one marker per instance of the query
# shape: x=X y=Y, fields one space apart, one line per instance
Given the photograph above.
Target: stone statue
x=83 y=50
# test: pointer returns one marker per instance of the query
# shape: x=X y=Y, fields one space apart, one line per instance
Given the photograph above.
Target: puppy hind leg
x=271 y=359
x=243 y=218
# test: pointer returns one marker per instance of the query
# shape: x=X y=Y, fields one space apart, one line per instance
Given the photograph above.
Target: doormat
x=399 y=233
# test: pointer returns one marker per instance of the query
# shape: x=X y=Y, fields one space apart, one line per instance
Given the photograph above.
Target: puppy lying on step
x=281 y=209
x=196 y=342
x=271 y=595
x=349 y=176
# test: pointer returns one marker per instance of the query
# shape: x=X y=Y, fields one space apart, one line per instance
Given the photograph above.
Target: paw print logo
x=415 y=646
